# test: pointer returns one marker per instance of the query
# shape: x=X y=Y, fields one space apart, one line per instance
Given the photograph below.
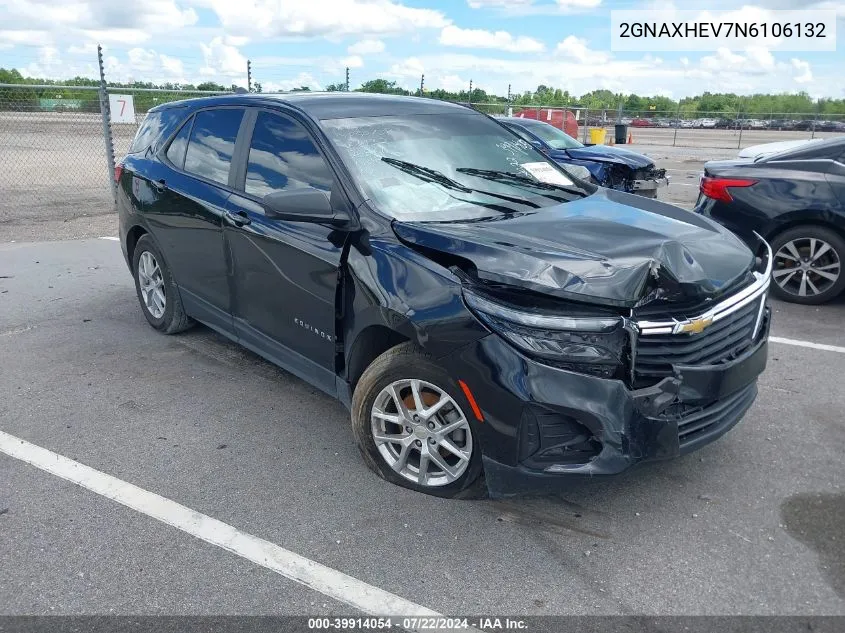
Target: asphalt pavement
x=748 y=525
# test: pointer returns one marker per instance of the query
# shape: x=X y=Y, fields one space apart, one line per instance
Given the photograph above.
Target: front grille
x=699 y=425
x=721 y=342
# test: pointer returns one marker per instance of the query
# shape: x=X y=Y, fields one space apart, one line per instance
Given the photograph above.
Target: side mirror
x=303 y=205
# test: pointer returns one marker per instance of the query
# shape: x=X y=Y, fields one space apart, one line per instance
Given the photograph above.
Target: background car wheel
x=157 y=293
x=410 y=422
x=808 y=265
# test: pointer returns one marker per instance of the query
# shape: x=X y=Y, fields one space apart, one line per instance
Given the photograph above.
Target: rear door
x=284 y=274
x=186 y=218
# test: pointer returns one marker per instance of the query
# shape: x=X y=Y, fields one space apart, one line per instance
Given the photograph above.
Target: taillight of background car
x=717 y=188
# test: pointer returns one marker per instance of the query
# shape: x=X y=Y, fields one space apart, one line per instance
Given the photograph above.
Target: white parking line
x=110 y=237
x=811 y=345
x=330 y=582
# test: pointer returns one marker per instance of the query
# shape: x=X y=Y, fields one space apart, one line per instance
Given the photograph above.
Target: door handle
x=160 y=185
x=237 y=218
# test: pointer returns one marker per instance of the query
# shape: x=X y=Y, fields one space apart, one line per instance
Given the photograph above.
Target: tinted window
x=282 y=156
x=212 y=142
x=146 y=133
x=521 y=133
x=176 y=151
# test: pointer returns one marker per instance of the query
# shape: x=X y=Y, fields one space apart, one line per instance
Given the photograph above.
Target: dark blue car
x=610 y=167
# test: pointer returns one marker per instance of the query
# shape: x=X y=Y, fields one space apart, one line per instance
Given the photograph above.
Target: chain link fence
x=54 y=159
x=717 y=130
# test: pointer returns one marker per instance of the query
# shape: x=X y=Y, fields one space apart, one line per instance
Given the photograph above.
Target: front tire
x=808 y=265
x=156 y=289
x=410 y=423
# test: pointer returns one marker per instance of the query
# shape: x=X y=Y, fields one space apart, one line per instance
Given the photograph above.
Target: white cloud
x=223 y=59
x=100 y=20
x=806 y=75
x=172 y=65
x=327 y=18
x=302 y=79
x=530 y=7
x=576 y=48
x=366 y=47
x=353 y=61
x=484 y=4
x=478 y=38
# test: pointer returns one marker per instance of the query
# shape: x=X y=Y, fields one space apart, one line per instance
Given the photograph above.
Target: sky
x=493 y=43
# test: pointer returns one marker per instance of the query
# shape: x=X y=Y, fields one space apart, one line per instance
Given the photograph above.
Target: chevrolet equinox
x=490 y=321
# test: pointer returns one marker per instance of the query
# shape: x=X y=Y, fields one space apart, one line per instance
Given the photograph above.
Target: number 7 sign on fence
x=122 y=108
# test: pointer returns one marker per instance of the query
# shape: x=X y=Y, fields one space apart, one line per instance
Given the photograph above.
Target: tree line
x=727 y=105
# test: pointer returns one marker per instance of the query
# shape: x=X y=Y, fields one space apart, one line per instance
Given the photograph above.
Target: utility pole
x=422 y=84
x=470 y=91
x=347 y=79
x=249 y=75
x=105 y=113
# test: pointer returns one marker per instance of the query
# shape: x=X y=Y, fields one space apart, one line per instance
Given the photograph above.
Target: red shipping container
x=561 y=119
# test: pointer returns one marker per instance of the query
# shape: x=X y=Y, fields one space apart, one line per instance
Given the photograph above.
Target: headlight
x=579 y=171
x=587 y=344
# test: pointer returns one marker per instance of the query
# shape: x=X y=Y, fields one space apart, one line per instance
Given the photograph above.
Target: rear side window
x=176 y=151
x=212 y=143
x=147 y=133
x=283 y=156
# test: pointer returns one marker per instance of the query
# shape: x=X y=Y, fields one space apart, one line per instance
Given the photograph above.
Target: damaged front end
x=600 y=390
x=617 y=169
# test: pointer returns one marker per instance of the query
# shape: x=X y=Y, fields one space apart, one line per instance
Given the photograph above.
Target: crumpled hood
x=608 y=154
x=610 y=248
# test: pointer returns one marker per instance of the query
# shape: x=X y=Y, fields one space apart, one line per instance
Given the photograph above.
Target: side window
x=525 y=136
x=176 y=151
x=146 y=133
x=212 y=143
x=283 y=156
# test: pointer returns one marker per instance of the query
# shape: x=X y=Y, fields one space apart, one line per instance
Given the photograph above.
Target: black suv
x=478 y=310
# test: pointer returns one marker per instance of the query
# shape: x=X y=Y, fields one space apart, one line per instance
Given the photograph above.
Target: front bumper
x=650 y=184
x=601 y=427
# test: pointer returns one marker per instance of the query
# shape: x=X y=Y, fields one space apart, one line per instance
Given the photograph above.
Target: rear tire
x=157 y=291
x=808 y=265
x=403 y=408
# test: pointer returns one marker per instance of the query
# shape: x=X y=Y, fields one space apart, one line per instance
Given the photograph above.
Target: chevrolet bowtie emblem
x=694 y=326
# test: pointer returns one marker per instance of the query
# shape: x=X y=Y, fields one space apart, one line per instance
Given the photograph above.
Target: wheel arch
x=132 y=236
x=370 y=343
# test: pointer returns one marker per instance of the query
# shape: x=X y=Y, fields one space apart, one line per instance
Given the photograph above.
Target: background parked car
x=642 y=123
x=611 y=167
x=560 y=119
x=796 y=201
x=767 y=149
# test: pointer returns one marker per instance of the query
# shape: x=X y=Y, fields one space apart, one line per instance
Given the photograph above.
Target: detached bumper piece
x=649 y=179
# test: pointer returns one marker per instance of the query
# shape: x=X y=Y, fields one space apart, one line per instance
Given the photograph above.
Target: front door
x=284 y=274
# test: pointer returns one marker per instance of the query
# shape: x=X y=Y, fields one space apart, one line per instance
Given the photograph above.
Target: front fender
x=391 y=285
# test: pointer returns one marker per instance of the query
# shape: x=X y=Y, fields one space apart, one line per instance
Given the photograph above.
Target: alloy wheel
x=421 y=432
x=806 y=267
x=151 y=284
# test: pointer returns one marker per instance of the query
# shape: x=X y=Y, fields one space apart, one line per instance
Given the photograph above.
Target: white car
x=708 y=123
x=767 y=149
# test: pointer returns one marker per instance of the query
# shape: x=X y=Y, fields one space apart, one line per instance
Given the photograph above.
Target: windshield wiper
x=426 y=173
x=512 y=177
x=432 y=175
